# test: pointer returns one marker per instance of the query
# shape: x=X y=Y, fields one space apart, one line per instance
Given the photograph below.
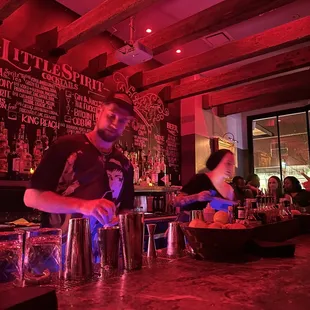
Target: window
x=279 y=145
x=294 y=145
x=266 y=149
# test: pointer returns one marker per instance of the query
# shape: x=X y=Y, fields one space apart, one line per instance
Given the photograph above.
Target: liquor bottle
x=6 y=137
x=132 y=153
x=140 y=162
x=37 y=149
x=126 y=150
x=54 y=136
x=20 y=140
x=156 y=163
x=163 y=166
x=136 y=173
x=2 y=126
x=44 y=139
x=149 y=162
x=4 y=150
x=25 y=163
x=13 y=162
x=26 y=143
x=162 y=178
x=241 y=212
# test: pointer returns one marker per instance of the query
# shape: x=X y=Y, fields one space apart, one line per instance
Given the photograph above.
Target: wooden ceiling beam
x=104 y=16
x=251 y=90
x=8 y=7
x=270 y=40
x=259 y=69
x=208 y=21
x=264 y=101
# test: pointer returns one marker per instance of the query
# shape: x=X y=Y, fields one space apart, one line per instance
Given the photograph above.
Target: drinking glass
x=11 y=256
x=42 y=262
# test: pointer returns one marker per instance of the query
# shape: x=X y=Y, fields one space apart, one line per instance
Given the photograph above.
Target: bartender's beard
x=107 y=135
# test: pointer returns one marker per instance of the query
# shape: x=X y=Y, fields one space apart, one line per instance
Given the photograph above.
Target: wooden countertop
x=185 y=283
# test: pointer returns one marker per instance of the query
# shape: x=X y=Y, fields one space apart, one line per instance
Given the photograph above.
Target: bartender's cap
x=122 y=100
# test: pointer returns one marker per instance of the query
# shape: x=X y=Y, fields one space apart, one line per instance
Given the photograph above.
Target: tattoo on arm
x=184 y=200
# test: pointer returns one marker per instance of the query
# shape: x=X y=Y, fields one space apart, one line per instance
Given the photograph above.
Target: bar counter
x=185 y=283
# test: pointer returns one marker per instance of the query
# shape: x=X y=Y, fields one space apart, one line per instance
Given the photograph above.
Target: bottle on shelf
x=37 y=149
x=54 y=136
x=140 y=163
x=45 y=140
x=13 y=162
x=20 y=140
x=4 y=150
x=162 y=176
x=241 y=212
x=136 y=173
x=133 y=153
x=126 y=153
x=26 y=144
x=25 y=164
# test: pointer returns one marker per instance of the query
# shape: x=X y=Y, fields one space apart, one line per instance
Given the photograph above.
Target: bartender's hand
x=102 y=209
x=203 y=196
x=114 y=222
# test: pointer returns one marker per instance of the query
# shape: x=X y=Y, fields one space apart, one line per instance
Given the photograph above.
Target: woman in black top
x=275 y=188
x=299 y=196
x=195 y=194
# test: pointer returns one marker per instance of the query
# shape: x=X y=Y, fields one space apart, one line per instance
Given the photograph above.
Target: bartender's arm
x=102 y=209
x=183 y=199
x=42 y=192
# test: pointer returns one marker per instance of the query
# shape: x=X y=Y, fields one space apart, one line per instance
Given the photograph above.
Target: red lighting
x=178 y=51
x=148 y=30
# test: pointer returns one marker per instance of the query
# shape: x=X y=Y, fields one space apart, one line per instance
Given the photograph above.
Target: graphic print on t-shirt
x=116 y=180
x=67 y=183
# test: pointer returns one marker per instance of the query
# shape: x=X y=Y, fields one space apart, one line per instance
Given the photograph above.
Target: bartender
x=84 y=175
x=200 y=189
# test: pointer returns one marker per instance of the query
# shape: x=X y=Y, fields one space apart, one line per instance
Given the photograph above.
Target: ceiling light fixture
x=148 y=30
x=178 y=51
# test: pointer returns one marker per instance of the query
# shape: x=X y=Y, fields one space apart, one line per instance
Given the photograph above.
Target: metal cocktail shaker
x=151 y=248
x=78 y=262
x=108 y=242
x=175 y=239
x=132 y=236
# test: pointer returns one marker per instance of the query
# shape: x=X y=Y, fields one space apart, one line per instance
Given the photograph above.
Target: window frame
x=251 y=118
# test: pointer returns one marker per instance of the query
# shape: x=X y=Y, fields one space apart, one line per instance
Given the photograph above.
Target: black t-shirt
x=74 y=167
x=302 y=198
x=199 y=183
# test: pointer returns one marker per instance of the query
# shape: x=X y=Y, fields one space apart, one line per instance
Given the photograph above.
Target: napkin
x=22 y=222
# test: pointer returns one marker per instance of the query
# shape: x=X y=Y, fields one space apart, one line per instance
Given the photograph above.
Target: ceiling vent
x=217 y=39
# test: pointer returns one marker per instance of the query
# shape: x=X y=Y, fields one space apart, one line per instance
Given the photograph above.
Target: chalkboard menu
x=156 y=126
x=37 y=94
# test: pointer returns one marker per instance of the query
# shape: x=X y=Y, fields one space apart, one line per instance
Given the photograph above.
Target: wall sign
x=37 y=94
